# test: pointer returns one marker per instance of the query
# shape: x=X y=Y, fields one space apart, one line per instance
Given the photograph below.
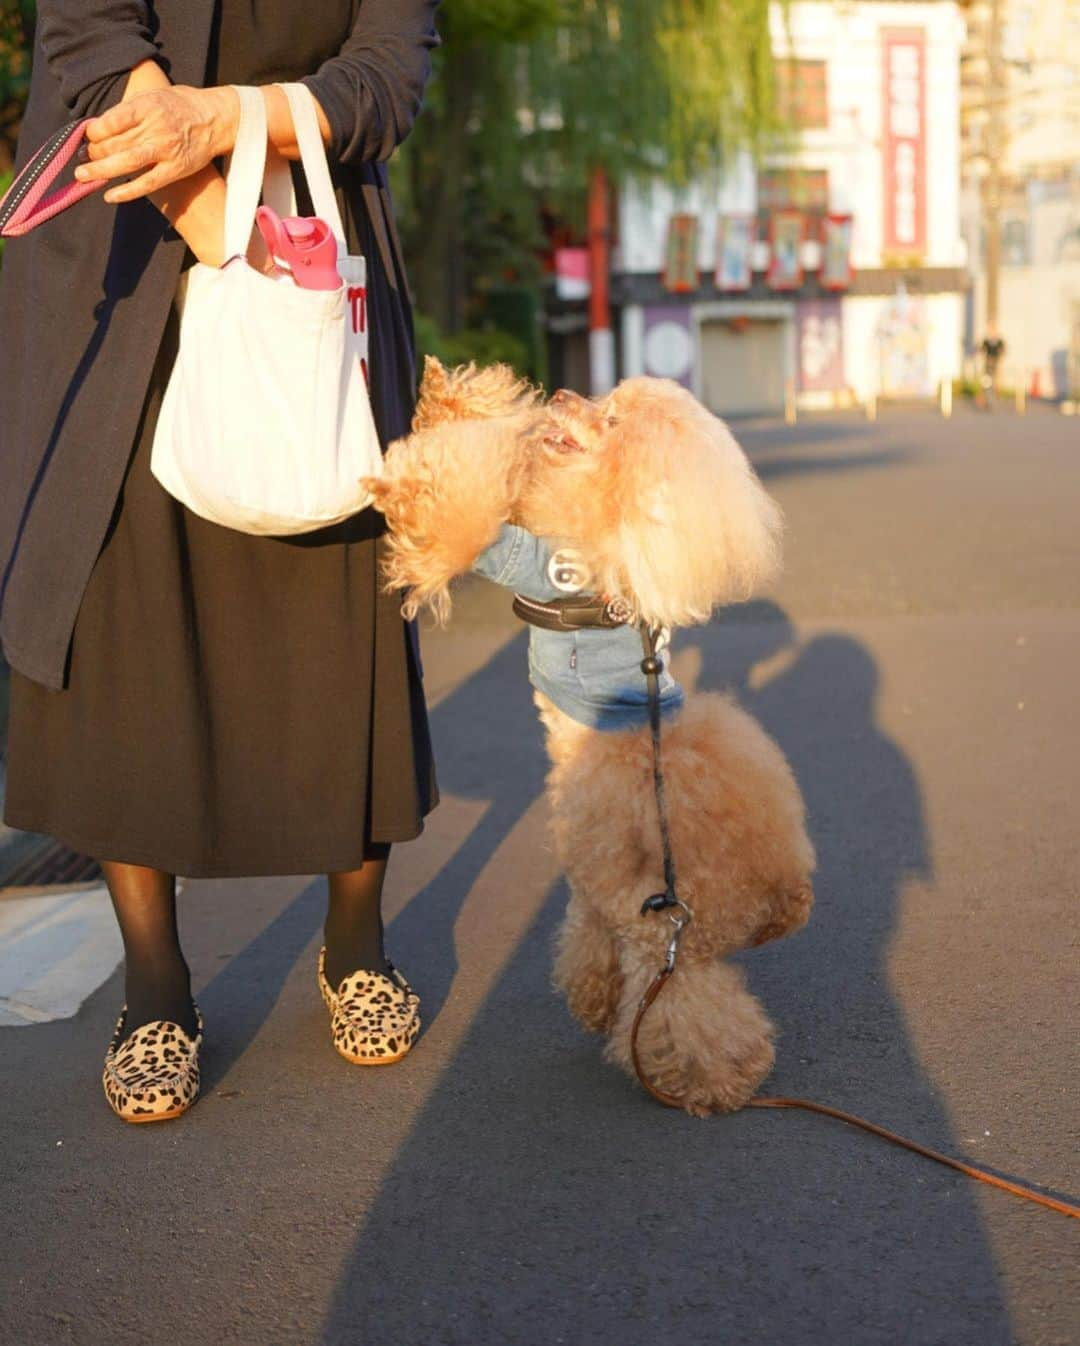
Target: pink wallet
x=25 y=204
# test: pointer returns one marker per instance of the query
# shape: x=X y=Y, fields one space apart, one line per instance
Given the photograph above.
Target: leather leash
x=651 y=666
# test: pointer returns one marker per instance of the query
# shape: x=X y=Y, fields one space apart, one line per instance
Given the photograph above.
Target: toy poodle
x=635 y=511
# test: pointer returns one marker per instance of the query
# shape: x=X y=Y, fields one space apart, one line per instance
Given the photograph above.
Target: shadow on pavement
x=486 y=727
x=472 y=728
x=784 y=466
x=541 y=1197
x=242 y=996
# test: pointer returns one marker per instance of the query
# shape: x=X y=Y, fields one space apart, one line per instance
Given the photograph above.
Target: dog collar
x=574 y=613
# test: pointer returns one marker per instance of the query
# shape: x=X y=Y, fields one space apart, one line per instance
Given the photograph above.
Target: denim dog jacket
x=593 y=675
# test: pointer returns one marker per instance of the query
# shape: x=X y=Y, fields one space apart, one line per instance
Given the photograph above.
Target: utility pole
x=601 y=336
x=995 y=153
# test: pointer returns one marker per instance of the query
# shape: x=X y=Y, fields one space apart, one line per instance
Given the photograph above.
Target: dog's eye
x=611 y=420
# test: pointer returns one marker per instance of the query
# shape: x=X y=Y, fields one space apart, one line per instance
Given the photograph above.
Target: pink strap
x=25 y=204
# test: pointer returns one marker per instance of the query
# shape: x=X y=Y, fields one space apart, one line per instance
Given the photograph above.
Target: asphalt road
x=918 y=663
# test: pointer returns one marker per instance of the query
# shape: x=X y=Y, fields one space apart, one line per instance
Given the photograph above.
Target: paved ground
x=919 y=665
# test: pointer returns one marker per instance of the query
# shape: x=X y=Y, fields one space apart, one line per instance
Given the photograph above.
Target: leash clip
x=662 y=902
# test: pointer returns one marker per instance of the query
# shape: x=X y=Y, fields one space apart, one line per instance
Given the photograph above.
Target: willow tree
x=16 y=35
x=531 y=97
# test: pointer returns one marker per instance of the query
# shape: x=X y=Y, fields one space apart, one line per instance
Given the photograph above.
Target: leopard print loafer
x=152 y=1074
x=374 y=1017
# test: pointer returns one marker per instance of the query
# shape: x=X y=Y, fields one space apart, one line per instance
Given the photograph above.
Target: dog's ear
x=695 y=528
x=435 y=388
x=435 y=380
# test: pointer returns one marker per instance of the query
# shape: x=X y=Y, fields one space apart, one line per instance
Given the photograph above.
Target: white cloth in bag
x=266 y=425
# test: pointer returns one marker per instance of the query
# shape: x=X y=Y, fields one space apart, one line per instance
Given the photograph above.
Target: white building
x=1039 y=281
x=875 y=88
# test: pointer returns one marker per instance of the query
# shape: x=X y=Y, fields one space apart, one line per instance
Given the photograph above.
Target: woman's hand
x=161 y=137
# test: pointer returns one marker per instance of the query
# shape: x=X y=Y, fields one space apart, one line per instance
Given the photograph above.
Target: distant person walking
x=992 y=348
x=185 y=698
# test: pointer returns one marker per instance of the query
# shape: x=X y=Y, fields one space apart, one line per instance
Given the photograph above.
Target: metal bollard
x=871 y=407
x=946 y=398
x=790 y=411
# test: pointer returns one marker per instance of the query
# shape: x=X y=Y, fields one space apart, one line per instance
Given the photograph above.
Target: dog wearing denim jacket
x=642 y=496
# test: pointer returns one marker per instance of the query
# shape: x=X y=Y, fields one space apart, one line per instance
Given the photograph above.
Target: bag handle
x=278 y=186
x=244 y=178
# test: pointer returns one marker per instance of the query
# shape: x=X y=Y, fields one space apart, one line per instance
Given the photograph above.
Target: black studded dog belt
x=576 y=612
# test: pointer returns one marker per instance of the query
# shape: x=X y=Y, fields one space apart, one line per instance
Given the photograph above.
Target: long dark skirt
x=236 y=705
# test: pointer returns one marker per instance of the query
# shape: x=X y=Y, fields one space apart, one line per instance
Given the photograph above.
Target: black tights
x=157 y=980
x=354 y=926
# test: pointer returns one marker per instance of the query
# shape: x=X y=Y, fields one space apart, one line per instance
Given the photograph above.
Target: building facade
x=1038 y=146
x=835 y=270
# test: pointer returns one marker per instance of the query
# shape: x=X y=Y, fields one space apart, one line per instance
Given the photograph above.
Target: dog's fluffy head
x=657 y=495
x=447 y=486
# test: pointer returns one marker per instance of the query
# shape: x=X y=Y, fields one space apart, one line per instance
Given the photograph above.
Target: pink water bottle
x=304 y=247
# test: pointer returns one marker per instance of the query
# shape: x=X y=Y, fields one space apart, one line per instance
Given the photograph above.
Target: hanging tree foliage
x=531 y=95
x=16 y=32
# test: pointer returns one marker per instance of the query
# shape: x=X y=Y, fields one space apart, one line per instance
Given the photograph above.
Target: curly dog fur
x=667 y=513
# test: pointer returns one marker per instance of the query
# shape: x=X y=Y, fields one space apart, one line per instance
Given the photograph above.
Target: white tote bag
x=266 y=425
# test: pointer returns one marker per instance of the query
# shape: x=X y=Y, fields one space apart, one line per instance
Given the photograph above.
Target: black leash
x=652 y=666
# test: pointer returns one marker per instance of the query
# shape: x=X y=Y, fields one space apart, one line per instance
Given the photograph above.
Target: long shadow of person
x=489 y=747
x=541 y=1197
x=485 y=725
x=866 y=818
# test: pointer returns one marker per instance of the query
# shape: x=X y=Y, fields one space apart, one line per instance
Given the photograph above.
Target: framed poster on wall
x=819 y=334
x=836 y=268
x=787 y=229
x=680 y=255
x=734 y=244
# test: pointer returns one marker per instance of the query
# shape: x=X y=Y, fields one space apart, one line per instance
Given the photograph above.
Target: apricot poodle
x=643 y=498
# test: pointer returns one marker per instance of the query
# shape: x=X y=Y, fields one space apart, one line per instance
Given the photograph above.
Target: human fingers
x=141 y=155
x=178 y=129
x=161 y=175
x=115 y=121
x=102 y=149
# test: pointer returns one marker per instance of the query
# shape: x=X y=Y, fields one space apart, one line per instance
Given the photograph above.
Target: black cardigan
x=84 y=299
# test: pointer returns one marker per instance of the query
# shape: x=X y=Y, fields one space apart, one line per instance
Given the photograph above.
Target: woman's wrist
x=279 y=123
x=224 y=104
x=195 y=207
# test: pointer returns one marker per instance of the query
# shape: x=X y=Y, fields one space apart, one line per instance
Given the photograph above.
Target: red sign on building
x=904 y=140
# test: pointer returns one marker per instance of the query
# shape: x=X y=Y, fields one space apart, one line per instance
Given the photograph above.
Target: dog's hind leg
x=587 y=967
x=705 y=1039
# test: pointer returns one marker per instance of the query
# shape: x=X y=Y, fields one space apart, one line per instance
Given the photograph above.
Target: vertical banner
x=904 y=141
x=787 y=229
x=820 y=337
x=680 y=262
x=836 y=269
x=734 y=241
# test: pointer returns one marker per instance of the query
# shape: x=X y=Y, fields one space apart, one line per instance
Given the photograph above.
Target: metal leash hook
x=662 y=902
